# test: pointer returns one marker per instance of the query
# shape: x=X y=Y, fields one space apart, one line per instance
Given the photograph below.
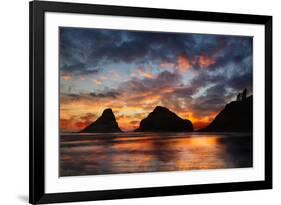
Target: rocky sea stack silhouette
x=106 y=123
x=237 y=116
x=163 y=120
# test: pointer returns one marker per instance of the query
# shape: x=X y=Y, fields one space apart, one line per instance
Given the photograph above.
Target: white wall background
x=14 y=100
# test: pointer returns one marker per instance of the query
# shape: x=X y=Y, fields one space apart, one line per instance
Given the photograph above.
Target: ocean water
x=116 y=153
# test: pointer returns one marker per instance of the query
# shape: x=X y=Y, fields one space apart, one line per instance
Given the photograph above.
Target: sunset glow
x=132 y=72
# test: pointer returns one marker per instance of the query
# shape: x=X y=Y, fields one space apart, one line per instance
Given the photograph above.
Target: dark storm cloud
x=233 y=50
x=214 y=97
x=235 y=74
x=185 y=91
x=79 y=68
x=216 y=90
x=220 y=90
x=79 y=96
x=83 y=50
x=206 y=78
x=203 y=106
x=109 y=94
x=164 y=79
x=69 y=96
x=239 y=82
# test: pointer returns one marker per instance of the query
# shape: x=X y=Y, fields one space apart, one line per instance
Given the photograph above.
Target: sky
x=132 y=72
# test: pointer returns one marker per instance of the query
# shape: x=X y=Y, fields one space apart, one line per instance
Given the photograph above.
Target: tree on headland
x=242 y=96
x=238 y=97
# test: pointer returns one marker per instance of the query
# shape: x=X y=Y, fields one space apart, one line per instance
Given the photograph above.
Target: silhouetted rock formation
x=105 y=123
x=237 y=116
x=163 y=120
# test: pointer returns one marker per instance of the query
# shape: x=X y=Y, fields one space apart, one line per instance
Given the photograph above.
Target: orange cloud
x=72 y=125
x=205 y=61
x=183 y=63
x=128 y=116
x=66 y=77
x=74 y=121
x=129 y=109
x=80 y=125
x=66 y=124
x=97 y=82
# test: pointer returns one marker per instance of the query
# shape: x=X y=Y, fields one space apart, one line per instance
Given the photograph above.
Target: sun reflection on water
x=152 y=152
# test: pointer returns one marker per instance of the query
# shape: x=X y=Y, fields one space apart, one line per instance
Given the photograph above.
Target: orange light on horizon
x=128 y=109
x=198 y=122
x=130 y=122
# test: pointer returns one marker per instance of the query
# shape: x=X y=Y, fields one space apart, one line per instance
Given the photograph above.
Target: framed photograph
x=139 y=102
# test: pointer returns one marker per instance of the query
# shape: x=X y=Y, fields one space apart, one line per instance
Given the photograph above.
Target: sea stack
x=237 y=116
x=163 y=120
x=106 y=123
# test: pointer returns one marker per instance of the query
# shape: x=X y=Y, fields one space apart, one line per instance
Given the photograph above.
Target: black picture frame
x=37 y=194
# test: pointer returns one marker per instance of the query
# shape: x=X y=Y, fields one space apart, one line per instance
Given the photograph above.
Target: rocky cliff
x=163 y=120
x=237 y=116
x=104 y=124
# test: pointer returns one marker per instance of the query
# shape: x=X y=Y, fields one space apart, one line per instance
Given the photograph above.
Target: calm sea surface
x=92 y=154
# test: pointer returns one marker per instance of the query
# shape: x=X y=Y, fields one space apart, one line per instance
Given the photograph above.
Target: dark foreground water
x=92 y=154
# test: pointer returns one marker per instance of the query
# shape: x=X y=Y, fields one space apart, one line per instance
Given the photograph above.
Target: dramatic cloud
x=204 y=61
x=110 y=94
x=83 y=50
x=194 y=75
x=183 y=63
